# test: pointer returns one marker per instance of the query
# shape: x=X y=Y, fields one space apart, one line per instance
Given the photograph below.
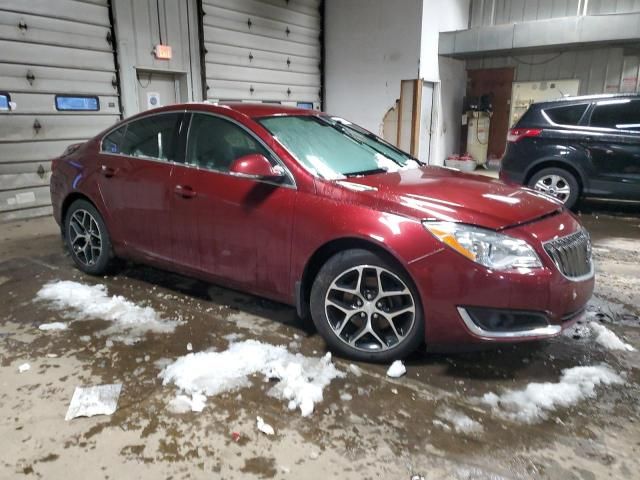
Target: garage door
x=57 y=69
x=263 y=50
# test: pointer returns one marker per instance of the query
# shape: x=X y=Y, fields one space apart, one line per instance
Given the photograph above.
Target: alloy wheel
x=370 y=308
x=555 y=186
x=85 y=237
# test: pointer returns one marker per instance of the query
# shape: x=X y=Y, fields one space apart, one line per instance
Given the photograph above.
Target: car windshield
x=333 y=148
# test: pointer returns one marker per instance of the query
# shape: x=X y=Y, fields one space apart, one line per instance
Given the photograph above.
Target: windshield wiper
x=366 y=172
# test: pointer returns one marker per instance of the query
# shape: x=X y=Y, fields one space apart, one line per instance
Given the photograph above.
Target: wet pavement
x=367 y=426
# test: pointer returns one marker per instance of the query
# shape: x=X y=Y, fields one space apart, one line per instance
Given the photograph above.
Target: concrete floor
x=392 y=428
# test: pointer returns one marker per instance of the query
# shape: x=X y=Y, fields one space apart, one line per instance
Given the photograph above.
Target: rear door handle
x=185 y=191
x=108 y=171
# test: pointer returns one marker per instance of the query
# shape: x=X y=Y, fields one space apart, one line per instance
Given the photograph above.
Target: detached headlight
x=486 y=247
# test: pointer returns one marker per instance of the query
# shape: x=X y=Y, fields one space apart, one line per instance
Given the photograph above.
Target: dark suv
x=580 y=146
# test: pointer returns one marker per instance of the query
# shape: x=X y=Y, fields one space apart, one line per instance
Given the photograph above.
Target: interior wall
x=370 y=46
x=600 y=70
x=438 y=16
x=452 y=91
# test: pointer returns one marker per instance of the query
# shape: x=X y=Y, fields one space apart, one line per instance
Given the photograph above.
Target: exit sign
x=162 y=52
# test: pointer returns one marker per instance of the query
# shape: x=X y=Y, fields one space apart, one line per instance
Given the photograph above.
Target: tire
x=87 y=238
x=356 y=326
x=558 y=183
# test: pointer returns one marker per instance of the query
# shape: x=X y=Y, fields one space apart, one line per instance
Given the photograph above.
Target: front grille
x=571 y=254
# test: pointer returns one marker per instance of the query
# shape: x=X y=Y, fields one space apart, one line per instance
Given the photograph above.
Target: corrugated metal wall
x=46 y=49
x=485 y=13
x=599 y=70
x=265 y=50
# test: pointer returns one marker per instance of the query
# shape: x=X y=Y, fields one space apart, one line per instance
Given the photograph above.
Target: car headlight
x=486 y=247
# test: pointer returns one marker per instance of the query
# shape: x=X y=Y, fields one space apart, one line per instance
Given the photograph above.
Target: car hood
x=438 y=193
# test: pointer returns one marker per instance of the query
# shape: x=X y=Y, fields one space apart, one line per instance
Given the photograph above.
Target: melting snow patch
x=86 y=301
x=608 y=339
x=53 y=326
x=461 y=423
x=302 y=379
x=397 y=369
x=264 y=427
x=537 y=399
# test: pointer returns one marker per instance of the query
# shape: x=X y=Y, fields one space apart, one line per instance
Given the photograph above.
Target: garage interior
x=436 y=79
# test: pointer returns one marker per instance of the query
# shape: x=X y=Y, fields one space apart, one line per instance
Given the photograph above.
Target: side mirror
x=258 y=167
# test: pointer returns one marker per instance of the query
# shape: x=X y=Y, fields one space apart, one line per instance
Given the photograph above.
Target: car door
x=136 y=165
x=234 y=228
x=614 y=147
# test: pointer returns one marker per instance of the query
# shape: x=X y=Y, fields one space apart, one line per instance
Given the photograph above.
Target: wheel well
x=322 y=255
x=555 y=164
x=72 y=197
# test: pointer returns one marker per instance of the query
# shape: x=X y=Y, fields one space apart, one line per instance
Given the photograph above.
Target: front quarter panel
x=322 y=218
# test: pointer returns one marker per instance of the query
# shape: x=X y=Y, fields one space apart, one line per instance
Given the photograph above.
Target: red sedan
x=383 y=252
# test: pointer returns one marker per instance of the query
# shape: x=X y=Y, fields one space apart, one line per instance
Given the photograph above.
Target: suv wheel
x=366 y=308
x=87 y=238
x=558 y=183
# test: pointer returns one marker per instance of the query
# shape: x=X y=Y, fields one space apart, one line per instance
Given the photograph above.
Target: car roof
x=585 y=98
x=253 y=110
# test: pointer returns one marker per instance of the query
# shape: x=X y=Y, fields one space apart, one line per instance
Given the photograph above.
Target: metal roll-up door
x=263 y=50
x=50 y=48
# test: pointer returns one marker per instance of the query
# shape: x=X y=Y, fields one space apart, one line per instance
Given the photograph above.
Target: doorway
x=158 y=89
x=497 y=83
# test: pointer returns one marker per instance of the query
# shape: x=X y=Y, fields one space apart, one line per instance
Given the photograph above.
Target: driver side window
x=214 y=143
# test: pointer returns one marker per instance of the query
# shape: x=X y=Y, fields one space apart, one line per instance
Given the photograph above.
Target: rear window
x=621 y=114
x=567 y=114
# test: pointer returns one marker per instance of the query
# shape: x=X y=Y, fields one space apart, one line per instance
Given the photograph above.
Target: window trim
x=125 y=123
x=580 y=121
x=70 y=95
x=622 y=131
x=292 y=181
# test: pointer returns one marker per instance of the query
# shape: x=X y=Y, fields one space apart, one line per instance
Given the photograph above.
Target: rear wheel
x=87 y=238
x=558 y=183
x=366 y=307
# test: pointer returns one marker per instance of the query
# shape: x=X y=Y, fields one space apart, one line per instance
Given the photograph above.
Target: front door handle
x=107 y=171
x=185 y=191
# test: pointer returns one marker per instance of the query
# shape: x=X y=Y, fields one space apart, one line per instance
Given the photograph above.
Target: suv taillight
x=517 y=134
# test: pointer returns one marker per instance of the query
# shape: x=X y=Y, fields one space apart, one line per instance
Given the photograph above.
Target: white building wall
x=449 y=74
x=370 y=46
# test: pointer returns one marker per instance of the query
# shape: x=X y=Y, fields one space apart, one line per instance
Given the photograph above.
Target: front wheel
x=87 y=238
x=366 y=307
x=558 y=183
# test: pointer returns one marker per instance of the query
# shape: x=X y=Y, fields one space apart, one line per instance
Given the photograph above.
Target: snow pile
x=88 y=301
x=461 y=423
x=397 y=369
x=53 y=326
x=538 y=399
x=301 y=379
x=608 y=339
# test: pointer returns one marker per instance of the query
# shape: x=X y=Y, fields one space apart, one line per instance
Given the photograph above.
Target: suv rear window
x=567 y=114
x=621 y=114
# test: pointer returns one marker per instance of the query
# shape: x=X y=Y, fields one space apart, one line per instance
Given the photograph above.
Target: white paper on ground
x=94 y=400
